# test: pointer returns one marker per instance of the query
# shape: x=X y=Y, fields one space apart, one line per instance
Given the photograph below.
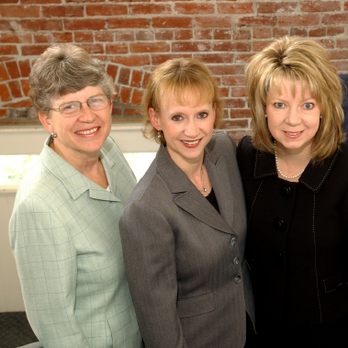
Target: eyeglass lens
x=95 y=103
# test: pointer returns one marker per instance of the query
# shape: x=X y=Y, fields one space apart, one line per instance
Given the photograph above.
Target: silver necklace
x=278 y=169
x=204 y=189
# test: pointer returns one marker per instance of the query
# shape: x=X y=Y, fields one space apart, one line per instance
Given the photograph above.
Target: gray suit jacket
x=185 y=261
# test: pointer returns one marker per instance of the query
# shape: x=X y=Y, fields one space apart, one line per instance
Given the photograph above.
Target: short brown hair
x=296 y=59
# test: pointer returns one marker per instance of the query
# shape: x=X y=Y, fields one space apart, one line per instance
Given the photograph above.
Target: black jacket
x=344 y=78
x=297 y=245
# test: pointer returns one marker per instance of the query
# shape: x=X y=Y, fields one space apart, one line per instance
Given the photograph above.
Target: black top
x=212 y=199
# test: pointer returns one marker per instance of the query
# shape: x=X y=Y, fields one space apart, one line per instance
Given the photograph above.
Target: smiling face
x=293 y=120
x=79 y=137
x=187 y=124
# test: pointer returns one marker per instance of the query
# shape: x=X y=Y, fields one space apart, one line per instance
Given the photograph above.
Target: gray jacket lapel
x=219 y=178
x=186 y=194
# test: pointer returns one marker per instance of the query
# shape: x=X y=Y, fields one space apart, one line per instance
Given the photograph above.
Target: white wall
x=10 y=292
x=29 y=140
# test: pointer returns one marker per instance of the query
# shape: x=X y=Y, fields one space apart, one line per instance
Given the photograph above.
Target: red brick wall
x=132 y=37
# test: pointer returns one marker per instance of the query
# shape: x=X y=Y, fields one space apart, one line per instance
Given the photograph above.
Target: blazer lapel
x=221 y=183
x=186 y=194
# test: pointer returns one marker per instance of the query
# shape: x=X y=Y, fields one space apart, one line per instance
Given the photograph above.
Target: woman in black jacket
x=295 y=175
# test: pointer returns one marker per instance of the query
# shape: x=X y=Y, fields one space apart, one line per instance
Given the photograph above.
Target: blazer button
x=233 y=241
x=279 y=256
x=237 y=279
x=279 y=224
x=236 y=261
x=286 y=191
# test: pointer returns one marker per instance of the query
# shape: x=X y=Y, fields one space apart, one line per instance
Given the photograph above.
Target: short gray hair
x=64 y=69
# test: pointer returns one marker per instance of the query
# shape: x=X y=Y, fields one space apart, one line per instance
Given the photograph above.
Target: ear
x=46 y=122
x=154 y=119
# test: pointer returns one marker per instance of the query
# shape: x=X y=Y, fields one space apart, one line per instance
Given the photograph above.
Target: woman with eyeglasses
x=64 y=227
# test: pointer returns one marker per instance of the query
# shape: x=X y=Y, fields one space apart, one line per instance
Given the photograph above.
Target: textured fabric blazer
x=185 y=261
x=65 y=239
x=344 y=78
x=297 y=238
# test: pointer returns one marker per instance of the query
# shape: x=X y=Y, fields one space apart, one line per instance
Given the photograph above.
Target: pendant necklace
x=204 y=189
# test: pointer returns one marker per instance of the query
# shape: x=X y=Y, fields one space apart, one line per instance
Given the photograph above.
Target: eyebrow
x=282 y=98
x=72 y=101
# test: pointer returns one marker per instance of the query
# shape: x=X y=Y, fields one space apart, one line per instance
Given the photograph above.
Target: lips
x=193 y=142
x=293 y=134
x=88 y=132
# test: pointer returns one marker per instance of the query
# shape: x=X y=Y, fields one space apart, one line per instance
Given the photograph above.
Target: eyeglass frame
x=80 y=103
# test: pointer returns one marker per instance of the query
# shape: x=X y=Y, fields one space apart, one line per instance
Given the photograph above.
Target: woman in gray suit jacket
x=183 y=229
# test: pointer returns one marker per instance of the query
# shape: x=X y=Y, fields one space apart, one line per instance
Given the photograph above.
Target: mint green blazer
x=65 y=238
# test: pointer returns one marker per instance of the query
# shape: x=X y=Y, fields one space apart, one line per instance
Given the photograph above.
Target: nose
x=192 y=129
x=293 y=118
x=86 y=114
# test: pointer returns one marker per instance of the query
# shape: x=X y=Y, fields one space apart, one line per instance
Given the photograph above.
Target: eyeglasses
x=73 y=108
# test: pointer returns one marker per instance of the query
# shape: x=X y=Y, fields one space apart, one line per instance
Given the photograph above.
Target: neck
x=90 y=166
x=79 y=161
x=303 y=153
x=198 y=175
x=290 y=165
x=194 y=169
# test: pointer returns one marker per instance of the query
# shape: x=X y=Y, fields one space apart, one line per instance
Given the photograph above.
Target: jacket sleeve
x=46 y=263
x=149 y=253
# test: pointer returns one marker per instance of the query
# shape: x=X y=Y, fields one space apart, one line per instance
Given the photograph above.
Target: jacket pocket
x=191 y=306
x=335 y=282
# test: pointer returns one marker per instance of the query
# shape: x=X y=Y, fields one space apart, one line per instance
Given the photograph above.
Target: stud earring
x=54 y=135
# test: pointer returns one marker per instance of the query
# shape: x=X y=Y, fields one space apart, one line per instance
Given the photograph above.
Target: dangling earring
x=159 y=134
x=54 y=135
x=265 y=116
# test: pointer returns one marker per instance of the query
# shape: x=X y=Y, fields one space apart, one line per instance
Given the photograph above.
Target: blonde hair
x=173 y=77
x=296 y=59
